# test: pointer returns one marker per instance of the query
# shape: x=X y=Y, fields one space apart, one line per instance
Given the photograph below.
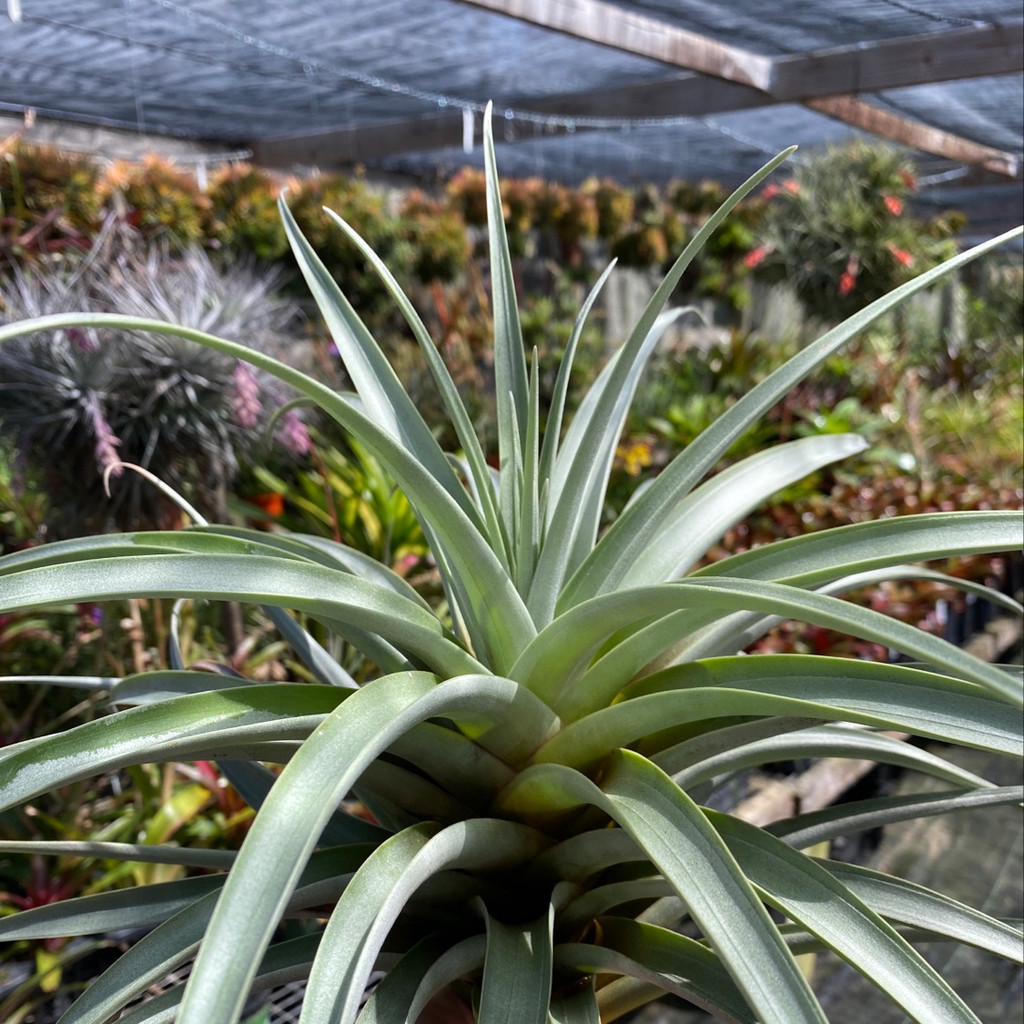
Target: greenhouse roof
x=640 y=91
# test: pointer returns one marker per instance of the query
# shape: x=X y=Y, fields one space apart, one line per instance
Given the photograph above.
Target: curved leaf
x=632 y=533
x=899 y=900
x=427 y=968
x=700 y=760
x=844 y=689
x=167 y=730
x=826 y=555
x=379 y=892
x=664 y=960
x=806 y=830
x=457 y=414
x=320 y=773
x=579 y=1008
x=559 y=393
x=677 y=838
x=707 y=512
x=384 y=398
x=603 y=899
x=511 y=386
x=516 y=986
x=808 y=894
x=580 y=472
x=149 y=853
x=320 y=592
x=138 y=907
x=553 y=664
x=499 y=621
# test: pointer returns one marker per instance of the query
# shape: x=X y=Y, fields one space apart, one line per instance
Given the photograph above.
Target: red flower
x=791 y=186
x=271 y=502
x=901 y=256
x=849 y=277
x=908 y=179
x=893 y=205
x=770 y=191
x=756 y=256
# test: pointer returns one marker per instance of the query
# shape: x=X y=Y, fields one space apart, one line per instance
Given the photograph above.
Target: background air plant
x=94 y=398
x=534 y=764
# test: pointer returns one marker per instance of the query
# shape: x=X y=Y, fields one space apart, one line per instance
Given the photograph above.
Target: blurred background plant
x=344 y=494
x=840 y=231
x=161 y=201
x=243 y=210
x=49 y=202
x=178 y=410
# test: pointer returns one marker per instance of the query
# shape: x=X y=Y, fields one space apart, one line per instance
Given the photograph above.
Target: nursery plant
x=184 y=412
x=510 y=815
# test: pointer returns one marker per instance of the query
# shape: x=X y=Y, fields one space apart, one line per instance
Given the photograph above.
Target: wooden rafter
x=717 y=78
x=920 y=136
x=684 y=95
x=966 y=52
x=631 y=32
x=826 y=80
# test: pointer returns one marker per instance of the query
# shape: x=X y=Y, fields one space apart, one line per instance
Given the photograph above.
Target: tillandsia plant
x=534 y=763
x=186 y=413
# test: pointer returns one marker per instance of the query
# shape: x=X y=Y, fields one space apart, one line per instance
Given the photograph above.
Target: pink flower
x=893 y=205
x=756 y=256
x=106 y=440
x=81 y=340
x=246 y=398
x=791 y=186
x=901 y=256
x=848 y=280
x=770 y=191
x=293 y=435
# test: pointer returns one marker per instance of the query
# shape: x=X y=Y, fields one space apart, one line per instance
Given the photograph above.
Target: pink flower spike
x=292 y=433
x=107 y=441
x=246 y=398
x=81 y=340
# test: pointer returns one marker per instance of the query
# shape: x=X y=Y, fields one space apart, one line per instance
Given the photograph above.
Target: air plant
x=511 y=813
x=77 y=403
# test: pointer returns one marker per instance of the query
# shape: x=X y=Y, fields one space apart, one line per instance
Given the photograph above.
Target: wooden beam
x=729 y=79
x=621 y=29
x=826 y=80
x=916 y=134
x=973 y=51
x=685 y=95
x=336 y=147
x=980 y=51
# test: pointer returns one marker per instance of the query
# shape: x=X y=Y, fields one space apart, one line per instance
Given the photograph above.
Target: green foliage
x=839 y=232
x=243 y=208
x=155 y=197
x=367 y=212
x=346 y=495
x=22 y=506
x=512 y=806
x=436 y=236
